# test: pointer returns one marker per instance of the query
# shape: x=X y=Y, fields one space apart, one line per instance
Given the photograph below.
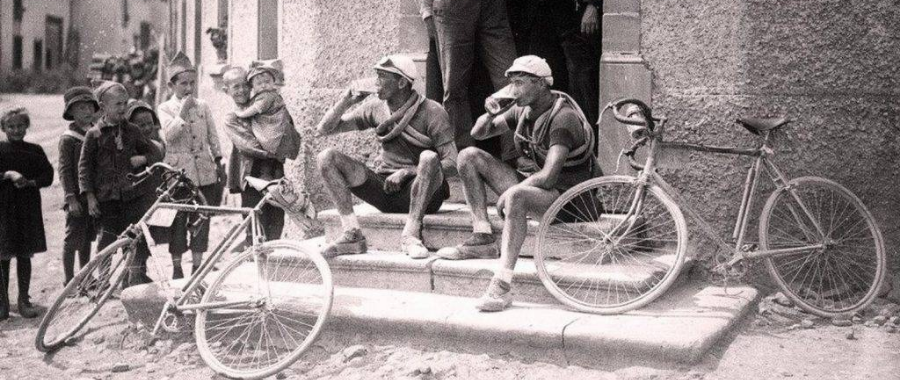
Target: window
x=53 y=34
x=18 y=10
x=17 y=52
x=222 y=20
x=268 y=29
x=38 y=62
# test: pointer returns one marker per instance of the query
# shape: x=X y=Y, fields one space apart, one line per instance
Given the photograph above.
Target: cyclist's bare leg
x=429 y=177
x=341 y=172
x=478 y=168
x=521 y=201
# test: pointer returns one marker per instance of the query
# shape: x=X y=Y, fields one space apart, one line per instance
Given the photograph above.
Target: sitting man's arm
x=488 y=125
x=448 y=154
x=335 y=121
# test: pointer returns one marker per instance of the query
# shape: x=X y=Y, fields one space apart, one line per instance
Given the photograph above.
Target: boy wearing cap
x=418 y=153
x=192 y=145
x=554 y=139
x=81 y=106
x=112 y=149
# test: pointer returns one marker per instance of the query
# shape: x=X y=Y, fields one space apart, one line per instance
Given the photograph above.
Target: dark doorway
x=53 y=35
x=145 y=36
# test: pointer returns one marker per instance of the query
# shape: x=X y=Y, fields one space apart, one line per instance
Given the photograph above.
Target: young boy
x=24 y=169
x=270 y=121
x=192 y=145
x=80 y=109
x=112 y=148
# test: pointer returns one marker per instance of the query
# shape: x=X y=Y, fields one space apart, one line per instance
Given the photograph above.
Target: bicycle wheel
x=288 y=292
x=593 y=256
x=845 y=275
x=83 y=297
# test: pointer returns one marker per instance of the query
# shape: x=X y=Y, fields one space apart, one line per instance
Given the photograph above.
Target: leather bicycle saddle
x=758 y=125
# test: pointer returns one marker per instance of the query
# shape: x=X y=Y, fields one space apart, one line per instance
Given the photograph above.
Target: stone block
x=621 y=75
x=621 y=32
x=622 y=6
x=413 y=35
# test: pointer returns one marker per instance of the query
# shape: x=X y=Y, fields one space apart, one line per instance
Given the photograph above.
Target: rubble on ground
x=776 y=309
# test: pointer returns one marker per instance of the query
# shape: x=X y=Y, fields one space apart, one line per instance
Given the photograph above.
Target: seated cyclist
x=554 y=140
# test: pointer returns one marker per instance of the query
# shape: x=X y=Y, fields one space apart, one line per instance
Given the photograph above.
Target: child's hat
x=78 y=94
x=179 y=64
x=103 y=86
x=134 y=105
x=272 y=66
x=400 y=65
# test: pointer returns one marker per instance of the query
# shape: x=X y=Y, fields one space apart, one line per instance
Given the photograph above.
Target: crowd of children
x=108 y=138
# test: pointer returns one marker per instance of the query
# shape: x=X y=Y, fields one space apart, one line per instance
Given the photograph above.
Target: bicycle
x=257 y=315
x=627 y=243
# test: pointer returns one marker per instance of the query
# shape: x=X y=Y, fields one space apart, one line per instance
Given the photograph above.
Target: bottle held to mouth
x=363 y=87
x=500 y=101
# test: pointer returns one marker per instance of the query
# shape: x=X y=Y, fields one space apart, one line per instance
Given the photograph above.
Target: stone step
x=469 y=278
x=451 y=225
x=678 y=329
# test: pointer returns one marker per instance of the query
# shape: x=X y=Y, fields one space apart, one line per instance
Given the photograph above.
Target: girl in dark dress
x=24 y=169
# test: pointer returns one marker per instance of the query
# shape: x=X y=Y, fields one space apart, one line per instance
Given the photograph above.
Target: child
x=112 y=149
x=80 y=109
x=192 y=144
x=25 y=169
x=270 y=121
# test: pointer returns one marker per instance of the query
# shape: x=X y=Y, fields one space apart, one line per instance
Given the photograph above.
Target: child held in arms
x=270 y=121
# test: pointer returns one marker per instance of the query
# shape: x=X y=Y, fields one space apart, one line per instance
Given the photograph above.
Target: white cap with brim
x=400 y=65
x=533 y=65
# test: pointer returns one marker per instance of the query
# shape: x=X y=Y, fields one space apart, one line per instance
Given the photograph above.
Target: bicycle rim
x=253 y=341
x=841 y=278
x=82 y=297
x=595 y=256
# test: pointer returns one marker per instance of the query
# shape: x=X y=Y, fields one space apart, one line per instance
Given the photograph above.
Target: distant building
x=42 y=34
x=33 y=34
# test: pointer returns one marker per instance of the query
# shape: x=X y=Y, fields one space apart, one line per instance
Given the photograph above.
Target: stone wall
x=829 y=65
x=324 y=46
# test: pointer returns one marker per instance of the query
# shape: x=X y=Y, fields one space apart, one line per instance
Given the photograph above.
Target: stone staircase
x=385 y=297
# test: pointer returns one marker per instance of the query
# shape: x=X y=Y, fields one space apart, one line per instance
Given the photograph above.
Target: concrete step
x=467 y=278
x=458 y=195
x=677 y=329
x=452 y=225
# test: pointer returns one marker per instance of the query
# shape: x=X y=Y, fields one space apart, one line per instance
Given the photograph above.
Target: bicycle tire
x=584 y=271
x=215 y=331
x=65 y=314
x=864 y=266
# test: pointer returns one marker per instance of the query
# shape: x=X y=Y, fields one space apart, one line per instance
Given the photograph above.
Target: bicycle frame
x=647 y=175
x=251 y=220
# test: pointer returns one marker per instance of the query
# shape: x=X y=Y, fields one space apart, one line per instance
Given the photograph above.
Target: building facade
x=43 y=34
x=33 y=34
x=827 y=65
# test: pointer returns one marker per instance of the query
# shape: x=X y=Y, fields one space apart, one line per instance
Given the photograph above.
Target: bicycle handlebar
x=138 y=177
